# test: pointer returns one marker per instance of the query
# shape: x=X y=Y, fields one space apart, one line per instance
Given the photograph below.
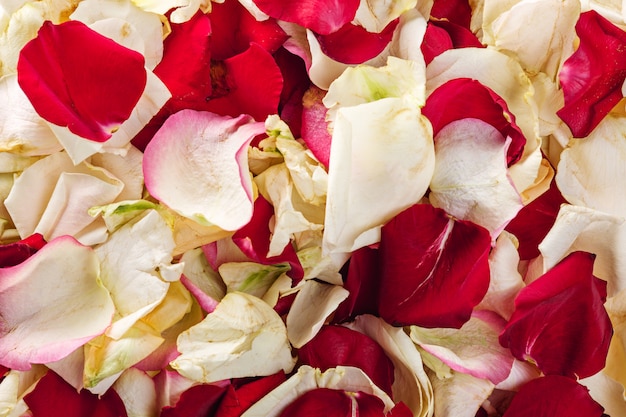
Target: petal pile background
x=324 y=207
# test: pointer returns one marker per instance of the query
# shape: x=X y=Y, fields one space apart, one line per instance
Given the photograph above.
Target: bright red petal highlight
x=197 y=401
x=560 y=322
x=321 y=16
x=336 y=345
x=551 y=396
x=227 y=42
x=53 y=397
x=77 y=78
x=315 y=132
x=254 y=240
x=353 y=44
x=434 y=268
x=238 y=400
x=464 y=98
x=592 y=77
x=15 y=253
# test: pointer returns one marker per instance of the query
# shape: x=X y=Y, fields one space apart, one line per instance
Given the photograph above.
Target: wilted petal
x=434 y=269
x=544 y=397
x=560 y=322
x=78 y=78
x=321 y=16
x=471 y=180
x=592 y=77
x=242 y=337
x=473 y=349
x=69 y=307
x=213 y=148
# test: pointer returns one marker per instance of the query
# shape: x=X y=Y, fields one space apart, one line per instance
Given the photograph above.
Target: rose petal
x=69 y=308
x=198 y=401
x=64 y=62
x=315 y=132
x=419 y=285
x=238 y=400
x=191 y=141
x=15 y=253
x=560 y=322
x=592 y=77
x=460 y=395
x=137 y=390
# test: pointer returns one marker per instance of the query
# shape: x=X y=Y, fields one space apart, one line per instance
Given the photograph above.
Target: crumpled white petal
x=242 y=337
x=197 y=165
x=375 y=15
x=460 y=395
x=14 y=386
x=471 y=180
x=183 y=9
x=51 y=304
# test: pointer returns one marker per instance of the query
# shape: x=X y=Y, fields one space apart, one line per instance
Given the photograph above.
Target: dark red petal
x=296 y=83
x=533 y=222
x=15 y=253
x=434 y=268
x=460 y=36
x=363 y=282
x=321 y=16
x=198 y=401
x=336 y=345
x=77 y=78
x=353 y=44
x=463 y=98
x=238 y=400
x=369 y=405
x=227 y=41
x=436 y=41
x=400 y=410
x=560 y=322
x=320 y=402
x=552 y=396
x=455 y=11
x=254 y=240
x=53 y=397
x=248 y=83
x=592 y=77
x=315 y=132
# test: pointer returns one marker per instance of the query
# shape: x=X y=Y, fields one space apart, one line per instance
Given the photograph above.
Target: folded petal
x=560 y=322
x=214 y=148
x=78 y=78
x=461 y=395
x=12 y=254
x=51 y=304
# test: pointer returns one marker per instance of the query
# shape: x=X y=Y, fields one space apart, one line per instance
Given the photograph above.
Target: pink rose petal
x=592 y=77
x=560 y=322
x=77 y=78
x=315 y=132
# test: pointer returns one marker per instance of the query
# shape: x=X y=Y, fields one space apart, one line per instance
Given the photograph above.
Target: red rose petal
x=77 y=78
x=560 y=322
x=53 y=397
x=592 y=77
x=15 y=253
x=198 y=401
x=226 y=42
x=320 y=402
x=254 y=240
x=353 y=44
x=454 y=11
x=533 y=222
x=321 y=16
x=552 y=396
x=434 y=268
x=336 y=345
x=296 y=83
x=436 y=41
x=238 y=400
x=315 y=132
x=464 y=98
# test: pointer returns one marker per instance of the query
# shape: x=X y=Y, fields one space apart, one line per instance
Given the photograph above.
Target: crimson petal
x=15 y=253
x=464 y=98
x=321 y=16
x=53 y=397
x=434 y=269
x=238 y=400
x=454 y=11
x=560 y=322
x=198 y=401
x=320 y=402
x=442 y=35
x=336 y=345
x=352 y=44
x=77 y=78
x=592 y=77
x=553 y=395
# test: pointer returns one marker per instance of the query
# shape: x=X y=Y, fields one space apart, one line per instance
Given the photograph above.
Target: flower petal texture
x=78 y=78
x=214 y=149
x=69 y=307
x=560 y=322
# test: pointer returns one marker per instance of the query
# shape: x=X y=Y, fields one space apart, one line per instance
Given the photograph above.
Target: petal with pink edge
x=214 y=150
x=69 y=307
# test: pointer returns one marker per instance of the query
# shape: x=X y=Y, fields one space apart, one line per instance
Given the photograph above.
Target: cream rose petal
x=461 y=395
x=69 y=307
x=197 y=165
x=470 y=180
x=607 y=392
x=242 y=337
x=138 y=392
x=374 y=145
x=374 y=15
